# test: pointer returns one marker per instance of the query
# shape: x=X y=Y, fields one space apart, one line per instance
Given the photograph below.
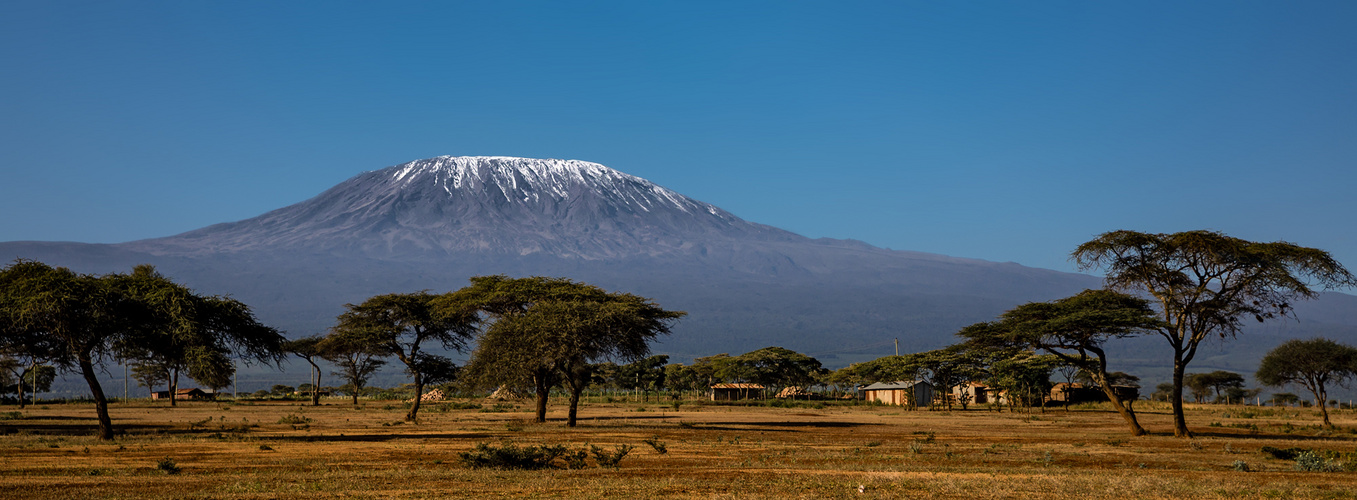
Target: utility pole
x=897 y=346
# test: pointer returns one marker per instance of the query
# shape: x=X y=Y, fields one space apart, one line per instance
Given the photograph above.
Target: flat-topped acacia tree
x=1313 y=364
x=399 y=324
x=1075 y=330
x=541 y=332
x=1205 y=283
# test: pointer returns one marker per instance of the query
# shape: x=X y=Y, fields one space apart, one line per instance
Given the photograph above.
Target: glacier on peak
x=527 y=179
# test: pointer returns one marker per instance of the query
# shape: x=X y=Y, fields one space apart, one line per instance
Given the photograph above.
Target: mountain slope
x=442 y=206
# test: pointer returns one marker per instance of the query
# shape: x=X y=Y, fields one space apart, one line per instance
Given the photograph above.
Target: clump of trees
x=539 y=333
x=76 y=321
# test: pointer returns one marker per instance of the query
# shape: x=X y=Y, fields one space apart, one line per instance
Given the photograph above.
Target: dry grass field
x=290 y=450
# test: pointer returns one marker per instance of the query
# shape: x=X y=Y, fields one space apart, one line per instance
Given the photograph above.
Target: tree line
x=533 y=335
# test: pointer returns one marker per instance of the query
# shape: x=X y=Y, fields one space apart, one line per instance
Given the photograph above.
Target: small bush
x=265 y=447
x=608 y=459
x=657 y=445
x=1309 y=461
x=293 y=419
x=167 y=466
x=510 y=456
x=576 y=459
x=1241 y=466
x=11 y=415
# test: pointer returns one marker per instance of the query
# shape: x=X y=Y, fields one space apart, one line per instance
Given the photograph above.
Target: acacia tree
x=1205 y=282
x=75 y=316
x=309 y=349
x=79 y=319
x=1075 y=330
x=777 y=367
x=185 y=332
x=1312 y=364
x=399 y=324
x=549 y=331
x=150 y=375
x=645 y=374
x=356 y=361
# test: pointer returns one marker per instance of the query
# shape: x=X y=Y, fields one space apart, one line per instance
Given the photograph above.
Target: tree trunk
x=100 y=402
x=419 y=396
x=355 y=396
x=1126 y=412
x=1322 y=399
x=174 y=386
x=21 y=390
x=542 y=388
x=315 y=386
x=1179 y=421
x=574 y=407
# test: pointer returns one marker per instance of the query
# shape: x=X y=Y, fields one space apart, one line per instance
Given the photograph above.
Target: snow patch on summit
x=527 y=180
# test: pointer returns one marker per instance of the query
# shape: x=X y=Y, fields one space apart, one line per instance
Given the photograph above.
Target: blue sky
x=1007 y=131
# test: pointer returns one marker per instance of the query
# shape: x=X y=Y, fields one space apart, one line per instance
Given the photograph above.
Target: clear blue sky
x=1007 y=131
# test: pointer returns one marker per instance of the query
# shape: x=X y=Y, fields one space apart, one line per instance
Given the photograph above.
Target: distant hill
x=431 y=224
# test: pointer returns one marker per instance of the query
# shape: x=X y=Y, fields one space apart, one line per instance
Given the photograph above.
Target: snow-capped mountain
x=504 y=205
x=430 y=224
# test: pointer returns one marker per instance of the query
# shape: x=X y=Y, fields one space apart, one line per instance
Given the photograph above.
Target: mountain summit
x=485 y=204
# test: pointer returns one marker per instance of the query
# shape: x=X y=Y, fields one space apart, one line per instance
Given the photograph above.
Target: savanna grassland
x=287 y=449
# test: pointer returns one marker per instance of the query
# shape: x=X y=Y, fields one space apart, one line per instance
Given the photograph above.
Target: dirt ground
x=289 y=449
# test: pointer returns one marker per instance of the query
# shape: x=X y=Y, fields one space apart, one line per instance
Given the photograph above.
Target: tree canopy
x=1313 y=364
x=76 y=320
x=1075 y=330
x=399 y=324
x=1205 y=283
x=542 y=332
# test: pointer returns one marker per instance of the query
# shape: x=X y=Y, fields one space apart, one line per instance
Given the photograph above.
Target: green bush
x=1309 y=461
x=511 y=456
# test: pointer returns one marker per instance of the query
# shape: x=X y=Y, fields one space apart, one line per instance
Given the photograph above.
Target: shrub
x=11 y=415
x=608 y=459
x=1241 y=466
x=167 y=466
x=657 y=445
x=576 y=459
x=510 y=456
x=1309 y=461
x=294 y=419
x=1284 y=454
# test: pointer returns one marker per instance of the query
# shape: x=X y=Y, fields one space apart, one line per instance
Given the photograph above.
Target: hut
x=733 y=392
x=903 y=393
